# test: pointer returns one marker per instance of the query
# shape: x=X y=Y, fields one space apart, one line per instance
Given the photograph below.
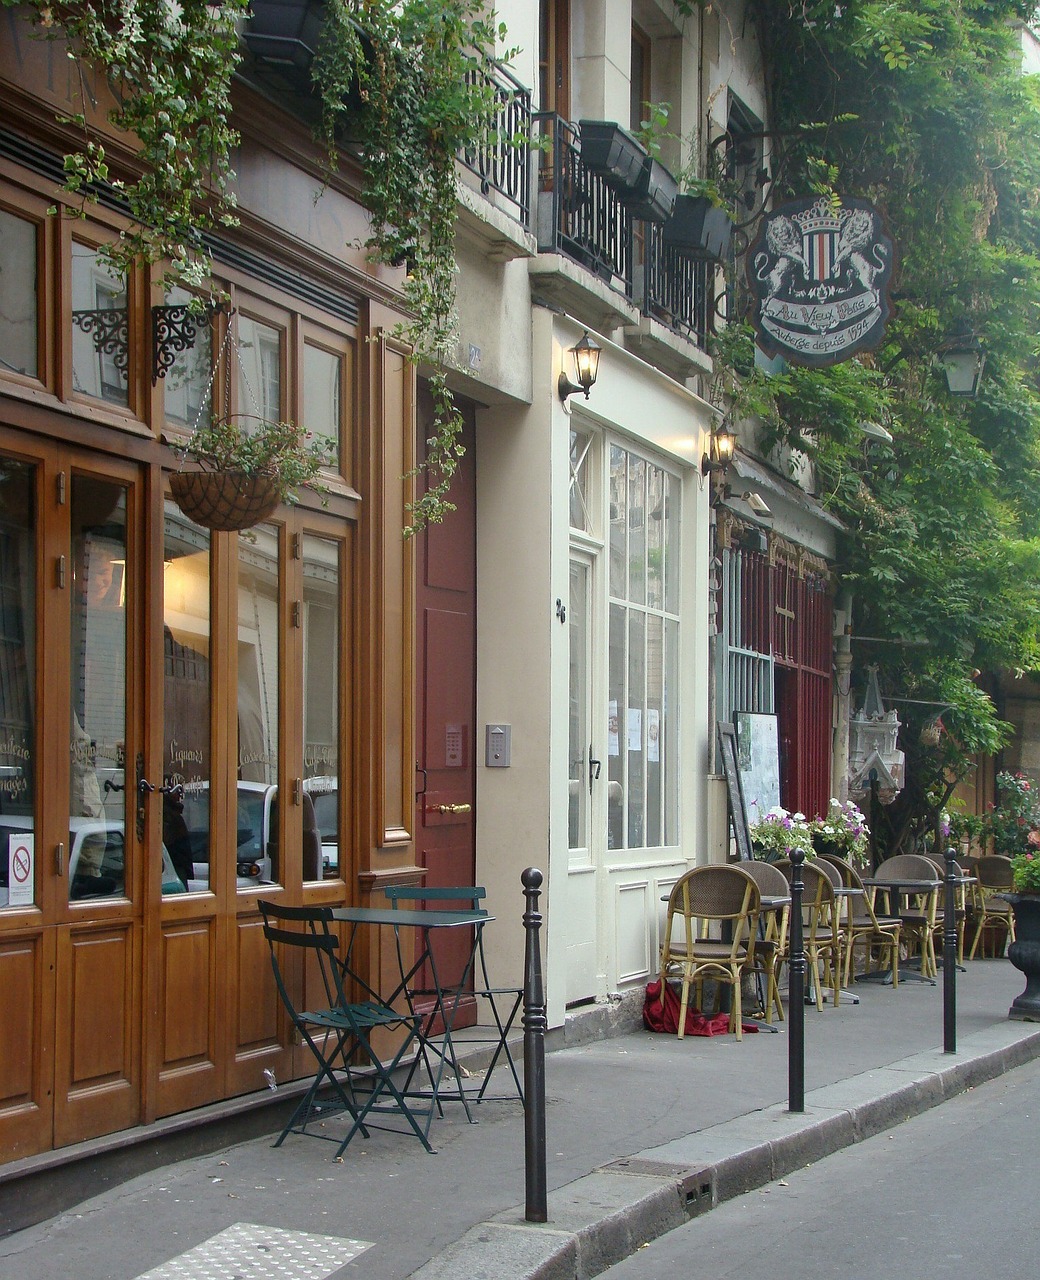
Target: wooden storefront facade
x=140 y=653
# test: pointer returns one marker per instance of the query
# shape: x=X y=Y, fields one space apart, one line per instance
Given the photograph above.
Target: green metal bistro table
x=436 y=1049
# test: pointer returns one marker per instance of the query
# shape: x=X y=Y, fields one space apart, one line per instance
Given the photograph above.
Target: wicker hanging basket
x=225 y=500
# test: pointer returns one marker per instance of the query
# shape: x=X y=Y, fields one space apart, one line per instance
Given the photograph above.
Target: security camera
x=757 y=504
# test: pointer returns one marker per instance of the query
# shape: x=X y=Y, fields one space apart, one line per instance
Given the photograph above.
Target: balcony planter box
x=654 y=194
x=613 y=153
x=698 y=229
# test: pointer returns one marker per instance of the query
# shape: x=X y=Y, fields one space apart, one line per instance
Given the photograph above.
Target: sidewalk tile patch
x=261 y=1253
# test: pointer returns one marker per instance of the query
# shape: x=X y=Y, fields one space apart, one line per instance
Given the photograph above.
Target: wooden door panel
x=446 y=697
x=26 y=1003
x=256 y=1017
x=189 y=1047
x=97 y=1060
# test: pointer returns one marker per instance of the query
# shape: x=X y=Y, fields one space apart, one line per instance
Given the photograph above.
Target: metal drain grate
x=260 y=1253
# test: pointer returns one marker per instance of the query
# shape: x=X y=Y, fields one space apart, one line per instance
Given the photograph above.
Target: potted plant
x=1024 y=952
x=843 y=832
x=612 y=152
x=654 y=193
x=700 y=226
x=1011 y=827
x=244 y=467
x=778 y=832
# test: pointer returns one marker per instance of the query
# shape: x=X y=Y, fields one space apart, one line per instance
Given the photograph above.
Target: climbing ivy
x=407 y=80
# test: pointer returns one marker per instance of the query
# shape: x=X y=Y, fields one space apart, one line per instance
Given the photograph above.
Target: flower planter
x=654 y=194
x=829 y=848
x=1024 y=954
x=613 y=153
x=225 y=500
x=698 y=229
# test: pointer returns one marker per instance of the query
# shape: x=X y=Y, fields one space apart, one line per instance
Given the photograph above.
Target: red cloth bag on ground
x=664 y=1016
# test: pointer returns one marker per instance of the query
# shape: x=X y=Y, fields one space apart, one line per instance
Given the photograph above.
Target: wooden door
x=75 y=864
x=446 y=689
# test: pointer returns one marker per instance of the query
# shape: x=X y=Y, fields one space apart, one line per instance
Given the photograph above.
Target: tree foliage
x=920 y=107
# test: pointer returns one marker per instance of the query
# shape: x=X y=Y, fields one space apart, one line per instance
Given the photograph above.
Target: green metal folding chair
x=338 y=1034
x=503 y=1002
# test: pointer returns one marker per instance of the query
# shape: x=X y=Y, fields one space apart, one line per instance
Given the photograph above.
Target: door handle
x=452 y=808
x=594 y=769
x=146 y=788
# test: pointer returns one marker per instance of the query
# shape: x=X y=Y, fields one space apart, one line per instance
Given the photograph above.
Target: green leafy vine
x=411 y=84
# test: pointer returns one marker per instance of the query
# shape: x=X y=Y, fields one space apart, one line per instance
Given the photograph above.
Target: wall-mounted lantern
x=586 y=365
x=721 y=444
x=962 y=359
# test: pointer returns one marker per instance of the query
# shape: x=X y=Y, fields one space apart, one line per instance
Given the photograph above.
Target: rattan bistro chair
x=994 y=876
x=960 y=906
x=822 y=933
x=863 y=926
x=771 y=947
x=706 y=900
x=919 y=916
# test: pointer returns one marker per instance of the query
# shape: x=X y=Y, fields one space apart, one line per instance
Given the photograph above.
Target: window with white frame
x=643 y=653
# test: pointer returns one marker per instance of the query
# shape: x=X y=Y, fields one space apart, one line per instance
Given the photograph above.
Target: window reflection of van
x=113 y=860
x=253 y=837
x=324 y=794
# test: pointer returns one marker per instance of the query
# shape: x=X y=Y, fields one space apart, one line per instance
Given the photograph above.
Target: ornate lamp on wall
x=586 y=364
x=721 y=444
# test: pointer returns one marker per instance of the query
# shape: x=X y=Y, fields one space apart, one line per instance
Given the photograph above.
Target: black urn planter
x=654 y=194
x=613 y=153
x=1024 y=954
x=698 y=229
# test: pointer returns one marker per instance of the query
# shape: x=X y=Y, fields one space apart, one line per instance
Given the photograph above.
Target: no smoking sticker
x=20 y=861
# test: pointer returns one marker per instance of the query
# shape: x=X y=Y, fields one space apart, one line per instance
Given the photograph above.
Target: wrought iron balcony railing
x=676 y=288
x=504 y=165
x=589 y=223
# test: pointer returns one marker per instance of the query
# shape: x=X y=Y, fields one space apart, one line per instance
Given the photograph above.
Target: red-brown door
x=446 y=689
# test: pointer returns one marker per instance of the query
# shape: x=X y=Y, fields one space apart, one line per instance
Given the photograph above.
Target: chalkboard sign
x=737 y=810
x=758 y=760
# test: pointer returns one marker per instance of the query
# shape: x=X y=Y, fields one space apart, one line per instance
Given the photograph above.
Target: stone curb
x=604 y=1217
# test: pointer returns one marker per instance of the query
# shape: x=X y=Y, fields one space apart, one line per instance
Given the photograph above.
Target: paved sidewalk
x=643 y=1132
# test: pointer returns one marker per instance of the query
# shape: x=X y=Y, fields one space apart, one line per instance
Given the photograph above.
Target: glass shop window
x=259 y=663
x=19 y=308
x=100 y=328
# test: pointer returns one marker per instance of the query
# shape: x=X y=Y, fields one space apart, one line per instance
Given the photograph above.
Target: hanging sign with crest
x=820 y=274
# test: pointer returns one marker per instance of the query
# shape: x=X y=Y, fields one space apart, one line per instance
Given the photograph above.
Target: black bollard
x=796 y=992
x=950 y=954
x=534 y=1054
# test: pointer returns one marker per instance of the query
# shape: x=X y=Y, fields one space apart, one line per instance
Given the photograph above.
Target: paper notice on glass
x=613 y=745
x=635 y=728
x=20 y=859
x=653 y=735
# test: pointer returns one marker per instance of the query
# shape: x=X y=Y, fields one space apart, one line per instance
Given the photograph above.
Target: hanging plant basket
x=225 y=500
